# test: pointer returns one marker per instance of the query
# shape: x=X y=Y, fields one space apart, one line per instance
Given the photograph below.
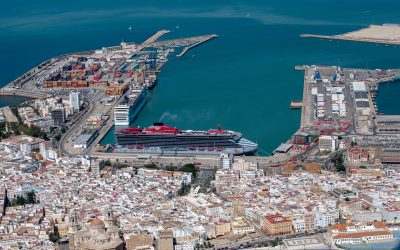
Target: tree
x=274 y=243
x=33 y=130
x=339 y=164
x=18 y=201
x=190 y=168
x=31 y=197
x=151 y=166
x=55 y=235
x=171 y=168
x=57 y=137
x=184 y=190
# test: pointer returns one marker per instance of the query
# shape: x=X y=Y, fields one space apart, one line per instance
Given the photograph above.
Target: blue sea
x=244 y=80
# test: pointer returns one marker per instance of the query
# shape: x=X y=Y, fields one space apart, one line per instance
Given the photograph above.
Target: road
x=104 y=129
x=77 y=122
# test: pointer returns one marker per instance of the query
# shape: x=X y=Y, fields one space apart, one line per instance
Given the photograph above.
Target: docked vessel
x=150 y=81
x=165 y=139
x=127 y=110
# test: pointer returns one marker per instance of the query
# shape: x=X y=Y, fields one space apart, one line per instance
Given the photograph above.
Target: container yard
x=103 y=77
x=117 y=89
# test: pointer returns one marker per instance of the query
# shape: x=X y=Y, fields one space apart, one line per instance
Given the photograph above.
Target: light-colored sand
x=379 y=32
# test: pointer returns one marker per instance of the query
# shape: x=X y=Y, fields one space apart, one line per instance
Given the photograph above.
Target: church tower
x=72 y=229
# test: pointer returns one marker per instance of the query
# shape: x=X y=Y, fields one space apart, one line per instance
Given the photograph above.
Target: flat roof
x=359 y=87
x=391 y=152
x=362 y=104
x=361 y=95
x=283 y=148
x=388 y=118
x=313 y=242
x=83 y=138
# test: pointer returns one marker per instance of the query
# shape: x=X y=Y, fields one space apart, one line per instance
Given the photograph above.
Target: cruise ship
x=161 y=138
x=127 y=110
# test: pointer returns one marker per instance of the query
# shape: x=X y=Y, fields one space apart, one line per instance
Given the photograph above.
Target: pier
x=184 y=41
x=296 y=104
x=306 y=109
x=154 y=37
x=186 y=49
x=300 y=67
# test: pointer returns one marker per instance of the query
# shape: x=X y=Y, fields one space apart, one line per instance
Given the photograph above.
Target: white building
x=299 y=225
x=25 y=143
x=352 y=234
x=328 y=143
x=325 y=218
x=47 y=151
x=184 y=246
x=75 y=100
x=242 y=164
x=226 y=161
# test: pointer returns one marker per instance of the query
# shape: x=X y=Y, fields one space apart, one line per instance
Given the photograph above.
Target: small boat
x=130 y=28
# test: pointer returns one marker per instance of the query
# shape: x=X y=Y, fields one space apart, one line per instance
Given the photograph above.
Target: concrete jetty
x=186 y=49
x=154 y=37
x=296 y=104
x=299 y=67
x=183 y=41
x=306 y=111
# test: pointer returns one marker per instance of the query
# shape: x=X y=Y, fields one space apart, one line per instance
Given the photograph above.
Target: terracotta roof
x=361 y=234
x=276 y=219
x=379 y=224
x=339 y=227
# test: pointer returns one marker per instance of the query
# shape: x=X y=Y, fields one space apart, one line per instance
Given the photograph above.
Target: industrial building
x=387 y=124
x=390 y=156
x=84 y=140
